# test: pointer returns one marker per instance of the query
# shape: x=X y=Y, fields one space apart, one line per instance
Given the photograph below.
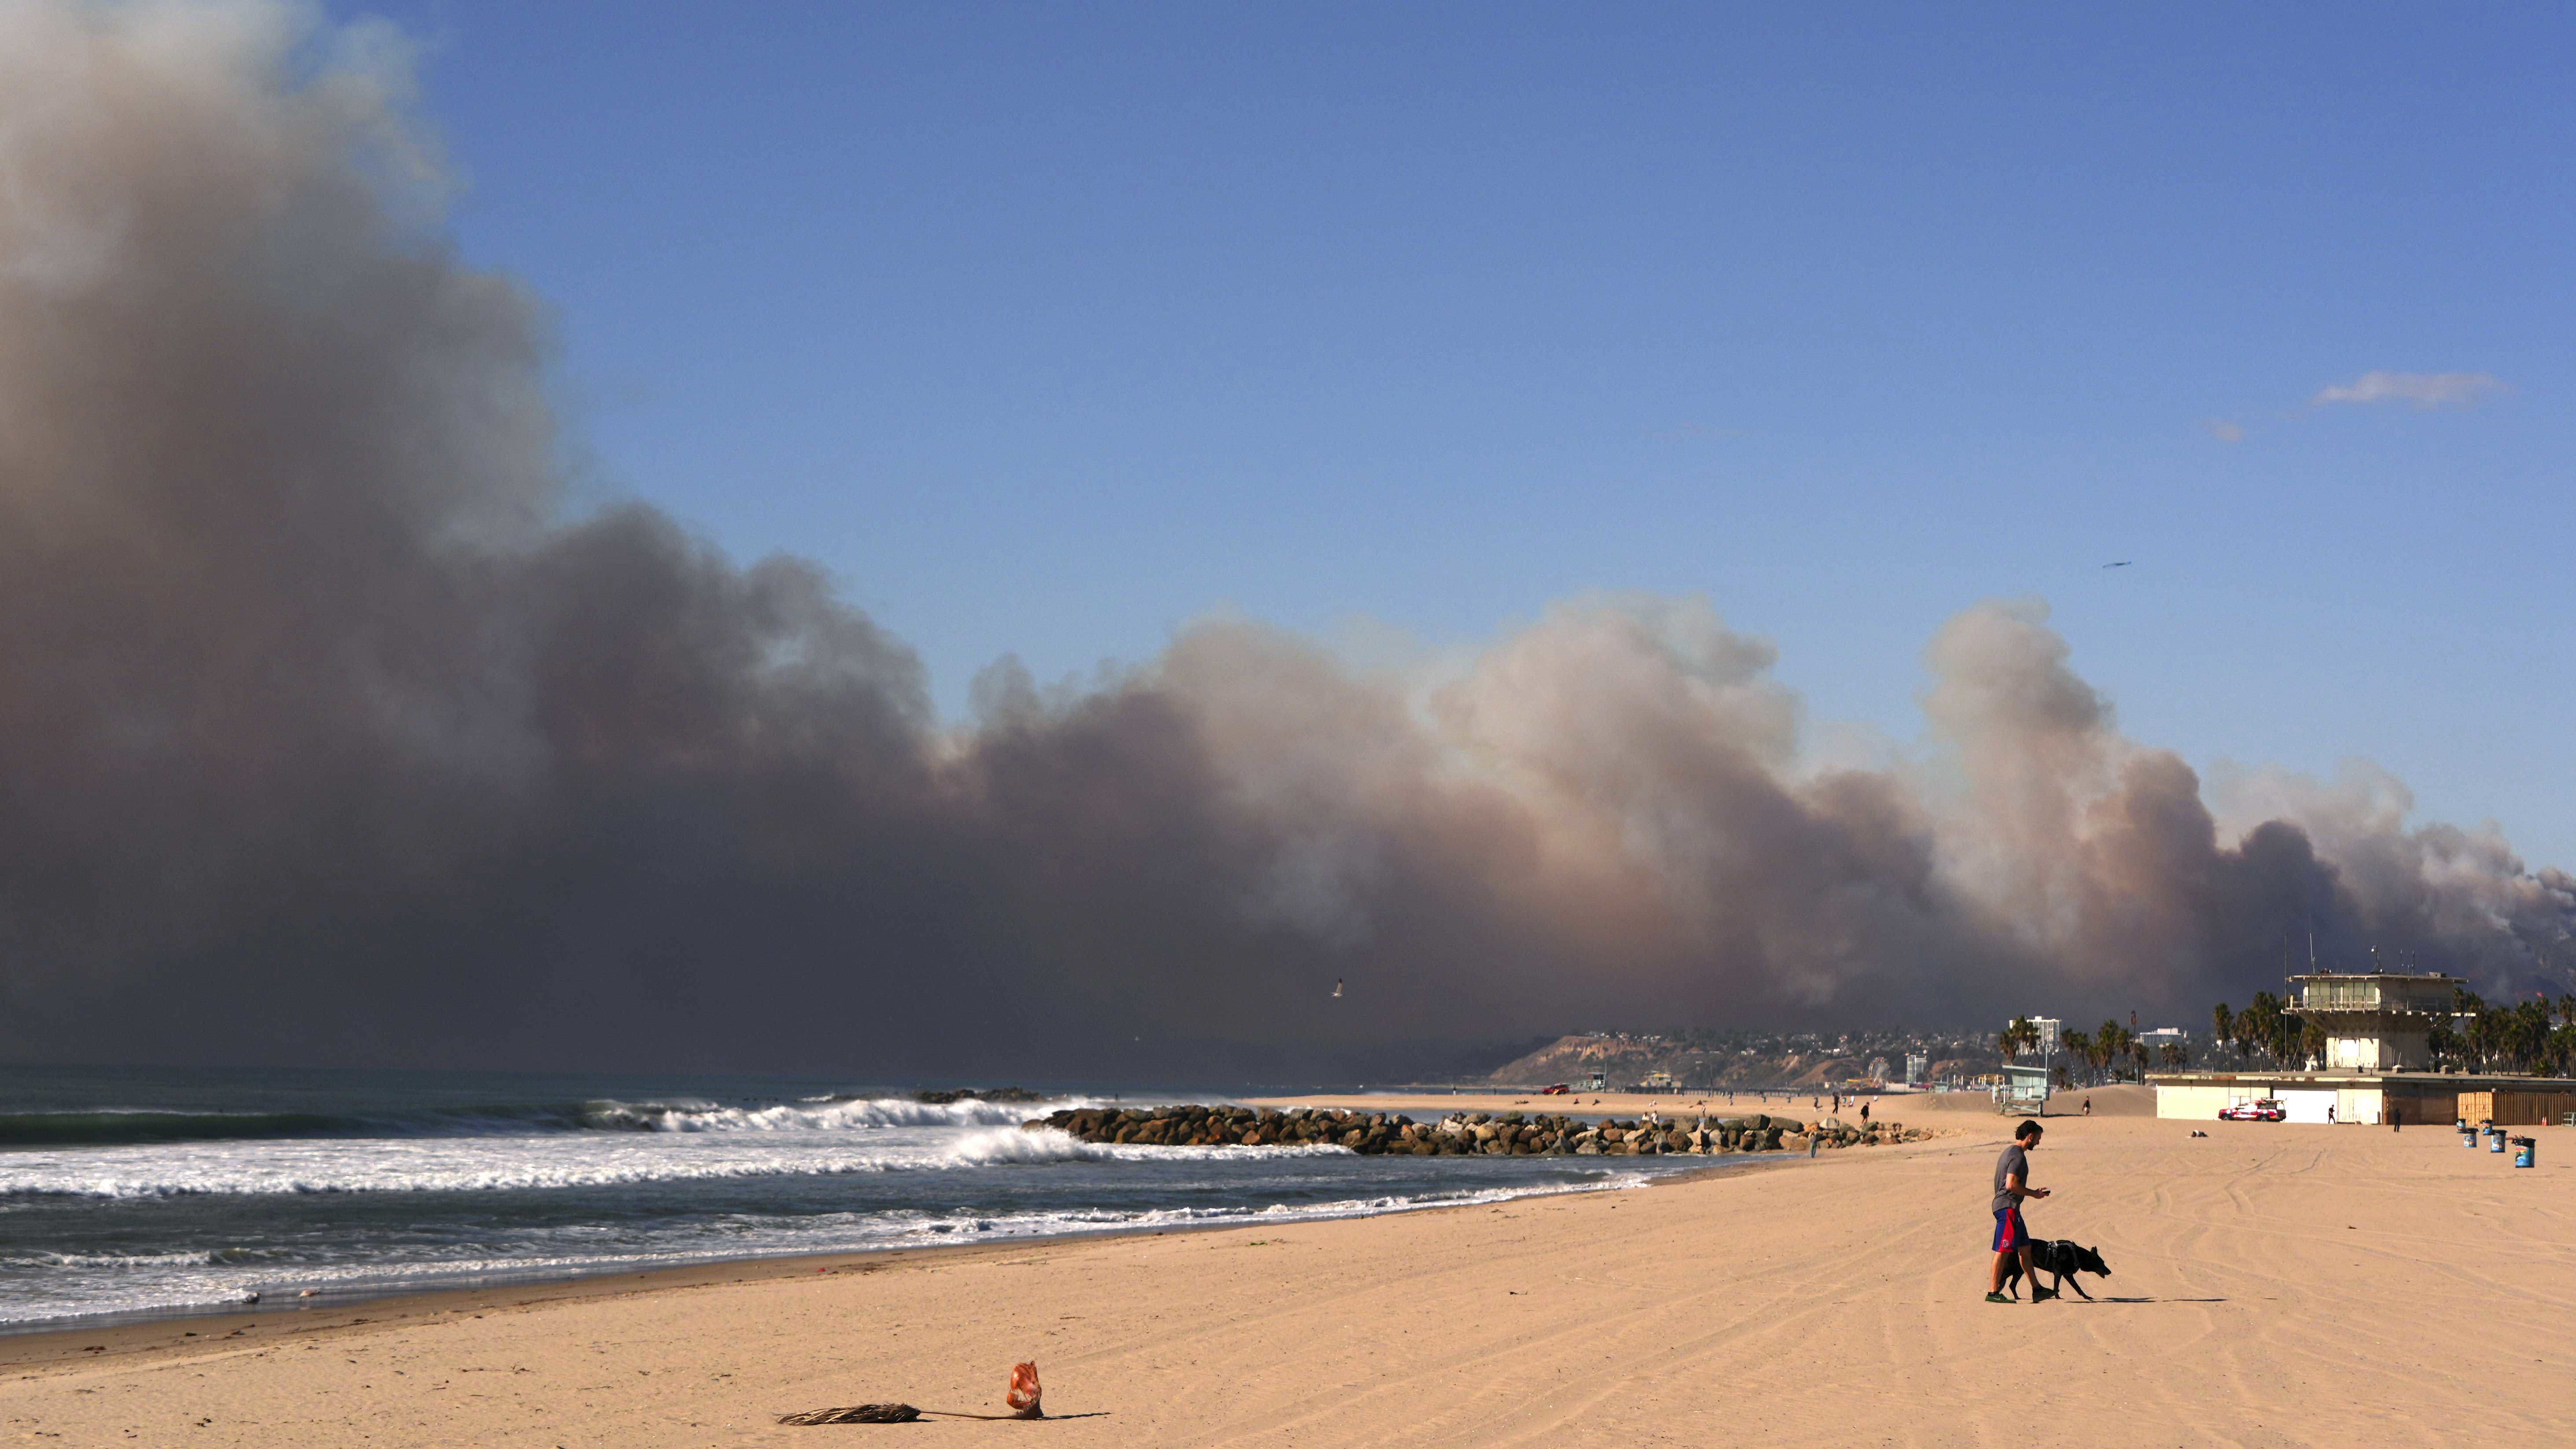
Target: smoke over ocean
x=329 y=733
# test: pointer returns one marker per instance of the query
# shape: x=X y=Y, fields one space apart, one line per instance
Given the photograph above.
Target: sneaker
x=2041 y=1295
x=1999 y=1298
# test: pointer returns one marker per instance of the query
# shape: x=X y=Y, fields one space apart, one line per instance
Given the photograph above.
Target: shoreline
x=134 y=1330
x=56 y=1341
x=2255 y=1265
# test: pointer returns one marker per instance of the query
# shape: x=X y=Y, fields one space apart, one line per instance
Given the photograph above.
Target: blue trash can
x=2495 y=1139
x=2526 y=1151
x=2468 y=1137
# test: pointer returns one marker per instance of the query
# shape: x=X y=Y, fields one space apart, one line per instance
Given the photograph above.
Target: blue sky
x=1047 y=329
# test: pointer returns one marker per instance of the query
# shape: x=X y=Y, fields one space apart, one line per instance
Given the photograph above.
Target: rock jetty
x=1464 y=1134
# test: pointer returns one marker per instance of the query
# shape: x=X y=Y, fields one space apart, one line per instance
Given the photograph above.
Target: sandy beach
x=1581 y=1104
x=2273 y=1285
x=2124 y=1100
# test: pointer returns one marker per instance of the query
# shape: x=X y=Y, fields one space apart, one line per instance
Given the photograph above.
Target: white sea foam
x=830 y=1116
x=1045 y=1144
x=539 y=1161
x=108 y=1260
x=182 y=1281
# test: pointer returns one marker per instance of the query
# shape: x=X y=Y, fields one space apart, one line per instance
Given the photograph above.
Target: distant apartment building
x=2157 y=1040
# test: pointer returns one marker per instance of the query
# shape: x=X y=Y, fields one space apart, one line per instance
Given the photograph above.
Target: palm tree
x=2526 y=1035
x=2079 y=1046
x=2222 y=1024
x=2109 y=1045
x=2262 y=1026
x=2559 y=1051
x=2174 y=1055
x=2442 y=1044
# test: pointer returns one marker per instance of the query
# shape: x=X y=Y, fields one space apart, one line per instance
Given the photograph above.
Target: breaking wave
x=834 y=1116
x=467 y=1166
x=1046 y=1144
x=112 y=1127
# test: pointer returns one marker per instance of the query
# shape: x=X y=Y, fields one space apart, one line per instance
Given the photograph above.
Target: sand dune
x=2273 y=1285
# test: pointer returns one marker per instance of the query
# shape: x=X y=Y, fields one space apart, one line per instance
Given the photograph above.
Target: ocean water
x=134 y=1192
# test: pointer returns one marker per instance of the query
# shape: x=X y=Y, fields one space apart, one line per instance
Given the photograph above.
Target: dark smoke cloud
x=328 y=734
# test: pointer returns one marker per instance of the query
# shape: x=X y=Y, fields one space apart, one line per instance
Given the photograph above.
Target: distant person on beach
x=2088 y=1106
x=1864 y=1114
x=2012 y=1185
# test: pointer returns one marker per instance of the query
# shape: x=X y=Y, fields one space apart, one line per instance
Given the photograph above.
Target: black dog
x=2062 y=1259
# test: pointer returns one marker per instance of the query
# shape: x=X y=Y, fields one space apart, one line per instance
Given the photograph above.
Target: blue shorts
x=2009 y=1233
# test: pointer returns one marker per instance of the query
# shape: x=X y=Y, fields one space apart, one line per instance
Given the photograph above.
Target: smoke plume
x=329 y=734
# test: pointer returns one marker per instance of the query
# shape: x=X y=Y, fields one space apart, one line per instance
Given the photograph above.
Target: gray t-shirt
x=2014 y=1163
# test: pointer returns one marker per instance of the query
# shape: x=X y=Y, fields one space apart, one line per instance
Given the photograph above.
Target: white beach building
x=2377 y=1067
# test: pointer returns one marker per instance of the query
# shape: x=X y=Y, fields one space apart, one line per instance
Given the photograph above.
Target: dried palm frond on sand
x=856 y=1414
x=1022 y=1397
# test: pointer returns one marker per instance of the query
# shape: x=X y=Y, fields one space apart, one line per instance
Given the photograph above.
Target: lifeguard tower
x=2376 y=1022
x=2024 y=1090
x=2377 y=1067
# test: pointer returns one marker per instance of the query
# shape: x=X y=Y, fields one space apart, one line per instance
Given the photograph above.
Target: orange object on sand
x=1023 y=1396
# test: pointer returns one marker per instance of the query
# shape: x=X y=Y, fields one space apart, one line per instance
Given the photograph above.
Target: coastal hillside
x=1746 y=1060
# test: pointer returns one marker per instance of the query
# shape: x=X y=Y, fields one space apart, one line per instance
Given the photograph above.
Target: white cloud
x=2224 y=430
x=2418 y=389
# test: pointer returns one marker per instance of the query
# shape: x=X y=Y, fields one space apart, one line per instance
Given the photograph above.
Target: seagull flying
x=1337 y=987
x=2124 y=563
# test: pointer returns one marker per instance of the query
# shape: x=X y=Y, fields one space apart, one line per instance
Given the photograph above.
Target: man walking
x=2012 y=1240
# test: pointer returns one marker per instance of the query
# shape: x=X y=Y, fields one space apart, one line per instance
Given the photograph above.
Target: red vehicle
x=2264 y=1110
x=1558 y=1089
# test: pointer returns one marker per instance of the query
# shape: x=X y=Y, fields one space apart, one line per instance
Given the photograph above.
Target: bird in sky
x=1337 y=987
x=2123 y=563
